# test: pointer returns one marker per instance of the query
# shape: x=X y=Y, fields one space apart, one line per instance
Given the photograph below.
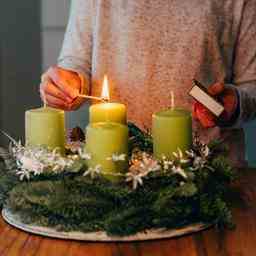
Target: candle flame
x=105 y=89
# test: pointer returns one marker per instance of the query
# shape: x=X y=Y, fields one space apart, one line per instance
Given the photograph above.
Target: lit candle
x=103 y=140
x=45 y=127
x=107 y=112
x=171 y=131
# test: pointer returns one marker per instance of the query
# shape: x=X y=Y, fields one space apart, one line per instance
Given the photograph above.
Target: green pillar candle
x=103 y=140
x=171 y=130
x=45 y=127
x=108 y=112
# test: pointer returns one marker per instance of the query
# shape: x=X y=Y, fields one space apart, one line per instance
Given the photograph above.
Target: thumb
x=215 y=89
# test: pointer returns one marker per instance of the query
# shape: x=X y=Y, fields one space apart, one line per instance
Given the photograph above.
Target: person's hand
x=59 y=88
x=227 y=97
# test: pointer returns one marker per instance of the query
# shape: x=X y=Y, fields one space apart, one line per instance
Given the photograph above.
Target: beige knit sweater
x=151 y=47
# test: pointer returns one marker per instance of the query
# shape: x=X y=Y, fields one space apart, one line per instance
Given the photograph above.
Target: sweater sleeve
x=244 y=67
x=77 y=46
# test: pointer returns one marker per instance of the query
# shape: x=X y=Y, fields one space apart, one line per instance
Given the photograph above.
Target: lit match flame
x=105 y=89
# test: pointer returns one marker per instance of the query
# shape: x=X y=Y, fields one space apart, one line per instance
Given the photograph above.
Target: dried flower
x=76 y=134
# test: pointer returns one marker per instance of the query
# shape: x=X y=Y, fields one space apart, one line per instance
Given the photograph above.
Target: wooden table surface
x=238 y=242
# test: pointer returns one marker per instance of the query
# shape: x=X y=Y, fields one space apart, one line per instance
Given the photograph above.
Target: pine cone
x=76 y=134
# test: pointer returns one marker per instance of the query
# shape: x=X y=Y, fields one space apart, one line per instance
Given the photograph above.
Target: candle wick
x=44 y=101
x=172 y=100
x=105 y=100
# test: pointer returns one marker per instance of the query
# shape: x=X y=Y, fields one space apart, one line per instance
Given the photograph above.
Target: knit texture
x=149 y=48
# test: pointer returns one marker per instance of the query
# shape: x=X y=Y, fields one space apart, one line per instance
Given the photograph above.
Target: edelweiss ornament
x=179 y=170
x=200 y=156
x=31 y=164
x=82 y=153
x=116 y=157
x=35 y=160
x=179 y=156
x=141 y=165
x=93 y=172
x=136 y=179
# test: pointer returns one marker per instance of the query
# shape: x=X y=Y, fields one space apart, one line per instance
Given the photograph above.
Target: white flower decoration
x=93 y=171
x=180 y=171
x=180 y=157
x=144 y=165
x=23 y=174
x=83 y=154
x=167 y=165
x=200 y=160
x=136 y=179
x=141 y=166
x=190 y=153
x=31 y=164
x=33 y=161
x=117 y=158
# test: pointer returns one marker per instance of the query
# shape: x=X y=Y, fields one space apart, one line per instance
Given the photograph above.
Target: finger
x=194 y=110
x=76 y=104
x=68 y=106
x=42 y=96
x=205 y=117
x=216 y=89
x=64 y=81
x=205 y=121
x=58 y=107
x=56 y=102
x=44 y=77
x=51 y=89
x=230 y=100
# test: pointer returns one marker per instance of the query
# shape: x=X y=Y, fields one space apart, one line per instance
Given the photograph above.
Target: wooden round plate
x=152 y=234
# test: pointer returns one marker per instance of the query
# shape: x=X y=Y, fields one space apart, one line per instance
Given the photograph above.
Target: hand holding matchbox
x=217 y=105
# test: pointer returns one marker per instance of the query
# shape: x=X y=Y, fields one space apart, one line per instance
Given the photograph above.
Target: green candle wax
x=103 y=140
x=45 y=127
x=171 y=130
x=108 y=112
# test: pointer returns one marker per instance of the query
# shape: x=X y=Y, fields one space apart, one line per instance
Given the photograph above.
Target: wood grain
x=212 y=242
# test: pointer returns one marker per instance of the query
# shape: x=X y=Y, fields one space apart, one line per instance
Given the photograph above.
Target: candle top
x=176 y=112
x=108 y=105
x=46 y=110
